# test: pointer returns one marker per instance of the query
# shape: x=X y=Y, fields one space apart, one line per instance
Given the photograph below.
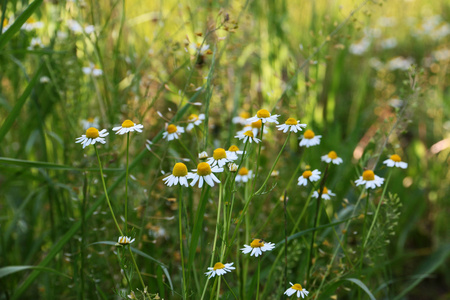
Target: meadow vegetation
x=224 y=149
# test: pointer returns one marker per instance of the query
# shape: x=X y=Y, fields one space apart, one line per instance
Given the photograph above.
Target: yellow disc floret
x=203 y=169
x=243 y=171
x=368 y=175
x=219 y=153
x=218 y=265
x=396 y=158
x=233 y=148
x=171 y=128
x=249 y=133
x=291 y=121
x=127 y=124
x=257 y=243
x=244 y=115
x=325 y=190
x=297 y=287
x=307 y=174
x=257 y=124
x=179 y=170
x=90 y=120
x=92 y=133
x=332 y=155
x=192 y=118
x=263 y=113
x=309 y=134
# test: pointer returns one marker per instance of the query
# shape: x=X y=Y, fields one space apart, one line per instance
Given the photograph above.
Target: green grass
x=58 y=239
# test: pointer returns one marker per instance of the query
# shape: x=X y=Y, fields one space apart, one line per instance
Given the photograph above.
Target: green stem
x=231 y=290
x=258 y=276
x=194 y=160
x=218 y=288
x=258 y=157
x=274 y=164
x=180 y=225
x=136 y=267
x=361 y=259
x=126 y=186
x=295 y=173
x=106 y=192
x=378 y=209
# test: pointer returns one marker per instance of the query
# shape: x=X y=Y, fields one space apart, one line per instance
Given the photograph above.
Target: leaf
x=12 y=116
x=362 y=286
x=15 y=27
x=5 y=271
x=431 y=263
x=47 y=165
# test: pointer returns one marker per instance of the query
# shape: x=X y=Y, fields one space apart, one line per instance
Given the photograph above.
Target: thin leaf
x=15 y=27
x=5 y=271
x=12 y=116
x=362 y=286
x=427 y=267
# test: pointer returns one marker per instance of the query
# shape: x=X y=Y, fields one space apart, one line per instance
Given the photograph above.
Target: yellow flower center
x=332 y=155
x=244 y=115
x=203 y=169
x=5 y=22
x=257 y=124
x=396 y=158
x=309 y=134
x=307 y=174
x=31 y=20
x=90 y=120
x=243 y=171
x=263 y=113
x=325 y=191
x=218 y=265
x=219 y=153
x=92 y=133
x=249 y=133
x=171 y=128
x=179 y=170
x=297 y=287
x=257 y=243
x=193 y=117
x=368 y=175
x=127 y=124
x=291 y=121
x=233 y=148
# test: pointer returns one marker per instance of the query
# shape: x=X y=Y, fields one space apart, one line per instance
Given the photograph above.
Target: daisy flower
x=92 y=136
x=90 y=122
x=128 y=126
x=199 y=48
x=203 y=155
x=179 y=176
x=194 y=120
x=219 y=269
x=248 y=136
x=124 y=240
x=233 y=167
x=255 y=127
x=296 y=288
x=219 y=158
x=35 y=43
x=265 y=116
x=244 y=175
x=370 y=180
x=310 y=139
x=92 y=70
x=233 y=152
x=242 y=118
x=325 y=194
x=332 y=157
x=291 y=124
x=173 y=132
x=395 y=161
x=309 y=175
x=204 y=172
x=257 y=247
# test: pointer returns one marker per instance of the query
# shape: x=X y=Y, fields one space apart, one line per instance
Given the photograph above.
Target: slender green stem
x=316 y=220
x=378 y=209
x=231 y=290
x=285 y=239
x=136 y=267
x=180 y=226
x=126 y=186
x=295 y=173
x=218 y=288
x=361 y=259
x=194 y=160
x=106 y=192
x=274 y=164
x=257 y=279
x=258 y=157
